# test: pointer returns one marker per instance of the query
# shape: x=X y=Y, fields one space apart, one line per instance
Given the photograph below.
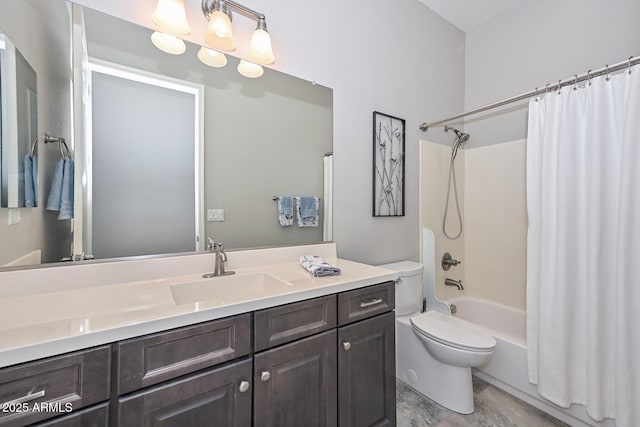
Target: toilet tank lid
x=404 y=268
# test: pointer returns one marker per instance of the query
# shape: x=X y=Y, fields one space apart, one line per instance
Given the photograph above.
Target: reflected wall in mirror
x=40 y=32
x=18 y=128
x=249 y=140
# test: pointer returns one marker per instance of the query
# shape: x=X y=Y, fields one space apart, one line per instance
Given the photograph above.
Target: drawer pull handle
x=346 y=345
x=373 y=301
x=265 y=376
x=244 y=386
x=24 y=399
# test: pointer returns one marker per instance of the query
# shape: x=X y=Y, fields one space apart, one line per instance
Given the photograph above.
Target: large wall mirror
x=169 y=151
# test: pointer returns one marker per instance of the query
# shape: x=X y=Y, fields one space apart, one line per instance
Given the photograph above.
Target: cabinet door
x=295 y=384
x=215 y=397
x=367 y=372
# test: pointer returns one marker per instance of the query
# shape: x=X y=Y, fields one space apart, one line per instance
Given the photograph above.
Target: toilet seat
x=452 y=331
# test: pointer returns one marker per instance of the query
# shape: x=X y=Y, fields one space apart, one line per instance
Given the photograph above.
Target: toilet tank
x=408 y=286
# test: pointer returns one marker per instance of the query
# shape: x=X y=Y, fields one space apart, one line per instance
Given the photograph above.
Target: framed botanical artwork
x=388 y=165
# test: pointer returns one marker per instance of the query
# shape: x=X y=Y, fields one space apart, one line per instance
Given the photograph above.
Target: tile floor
x=493 y=408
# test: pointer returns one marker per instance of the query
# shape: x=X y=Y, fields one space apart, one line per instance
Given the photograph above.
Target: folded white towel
x=318 y=266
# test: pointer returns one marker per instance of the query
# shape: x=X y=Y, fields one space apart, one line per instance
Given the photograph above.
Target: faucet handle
x=210 y=243
x=448 y=261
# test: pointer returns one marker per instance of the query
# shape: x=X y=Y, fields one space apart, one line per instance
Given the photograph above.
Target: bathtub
x=508 y=369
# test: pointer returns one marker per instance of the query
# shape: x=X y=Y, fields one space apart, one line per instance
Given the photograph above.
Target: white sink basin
x=228 y=289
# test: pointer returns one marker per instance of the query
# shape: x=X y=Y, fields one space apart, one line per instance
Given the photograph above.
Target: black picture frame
x=388 y=165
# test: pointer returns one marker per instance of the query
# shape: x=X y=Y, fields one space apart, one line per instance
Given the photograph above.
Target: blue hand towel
x=66 y=198
x=285 y=211
x=55 y=194
x=30 y=171
x=34 y=170
x=307 y=211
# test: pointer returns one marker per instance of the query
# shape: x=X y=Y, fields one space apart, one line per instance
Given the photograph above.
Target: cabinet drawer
x=160 y=357
x=365 y=302
x=279 y=325
x=97 y=416
x=215 y=397
x=47 y=388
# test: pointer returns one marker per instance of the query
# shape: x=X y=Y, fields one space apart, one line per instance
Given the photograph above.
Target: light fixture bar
x=208 y=6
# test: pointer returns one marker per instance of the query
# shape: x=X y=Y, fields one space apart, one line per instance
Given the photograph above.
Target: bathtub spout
x=453 y=282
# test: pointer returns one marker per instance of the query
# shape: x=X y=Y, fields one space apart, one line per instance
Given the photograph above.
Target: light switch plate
x=14 y=216
x=214 y=215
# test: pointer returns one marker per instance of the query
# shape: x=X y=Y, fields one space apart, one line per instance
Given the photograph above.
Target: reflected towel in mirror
x=30 y=181
x=307 y=208
x=285 y=211
x=61 y=194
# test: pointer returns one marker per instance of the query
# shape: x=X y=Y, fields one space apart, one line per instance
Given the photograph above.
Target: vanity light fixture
x=260 y=50
x=168 y=43
x=171 y=17
x=249 y=69
x=211 y=57
x=219 y=33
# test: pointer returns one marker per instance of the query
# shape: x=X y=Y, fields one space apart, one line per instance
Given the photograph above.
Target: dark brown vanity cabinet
x=49 y=388
x=343 y=376
x=198 y=375
x=366 y=357
x=326 y=361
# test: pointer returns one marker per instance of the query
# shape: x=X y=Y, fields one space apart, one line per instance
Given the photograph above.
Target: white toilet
x=434 y=350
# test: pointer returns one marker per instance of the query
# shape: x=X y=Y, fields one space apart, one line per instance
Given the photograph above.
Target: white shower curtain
x=583 y=248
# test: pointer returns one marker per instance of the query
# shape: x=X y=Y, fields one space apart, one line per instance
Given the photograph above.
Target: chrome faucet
x=220 y=258
x=453 y=282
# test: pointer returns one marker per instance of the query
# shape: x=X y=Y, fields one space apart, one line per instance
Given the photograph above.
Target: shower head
x=462 y=136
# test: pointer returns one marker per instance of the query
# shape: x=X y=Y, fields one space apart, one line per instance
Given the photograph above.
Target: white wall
x=398 y=58
x=536 y=43
x=495 y=253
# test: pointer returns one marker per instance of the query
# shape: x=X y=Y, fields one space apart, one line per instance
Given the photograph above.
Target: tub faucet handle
x=448 y=261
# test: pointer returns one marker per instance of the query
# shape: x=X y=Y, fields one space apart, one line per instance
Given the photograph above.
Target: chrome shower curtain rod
x=548 y=88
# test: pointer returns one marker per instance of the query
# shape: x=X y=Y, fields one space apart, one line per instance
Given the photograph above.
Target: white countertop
x=39 y=324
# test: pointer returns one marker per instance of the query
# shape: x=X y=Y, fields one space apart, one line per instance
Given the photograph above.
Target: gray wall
x=40 y=30
x=399 y=58
x=537 y=43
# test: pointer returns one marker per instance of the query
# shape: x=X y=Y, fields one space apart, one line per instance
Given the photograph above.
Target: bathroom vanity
x=314 y=351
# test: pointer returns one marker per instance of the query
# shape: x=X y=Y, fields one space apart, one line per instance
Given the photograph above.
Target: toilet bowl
x=434 y=350
x=453 y=341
